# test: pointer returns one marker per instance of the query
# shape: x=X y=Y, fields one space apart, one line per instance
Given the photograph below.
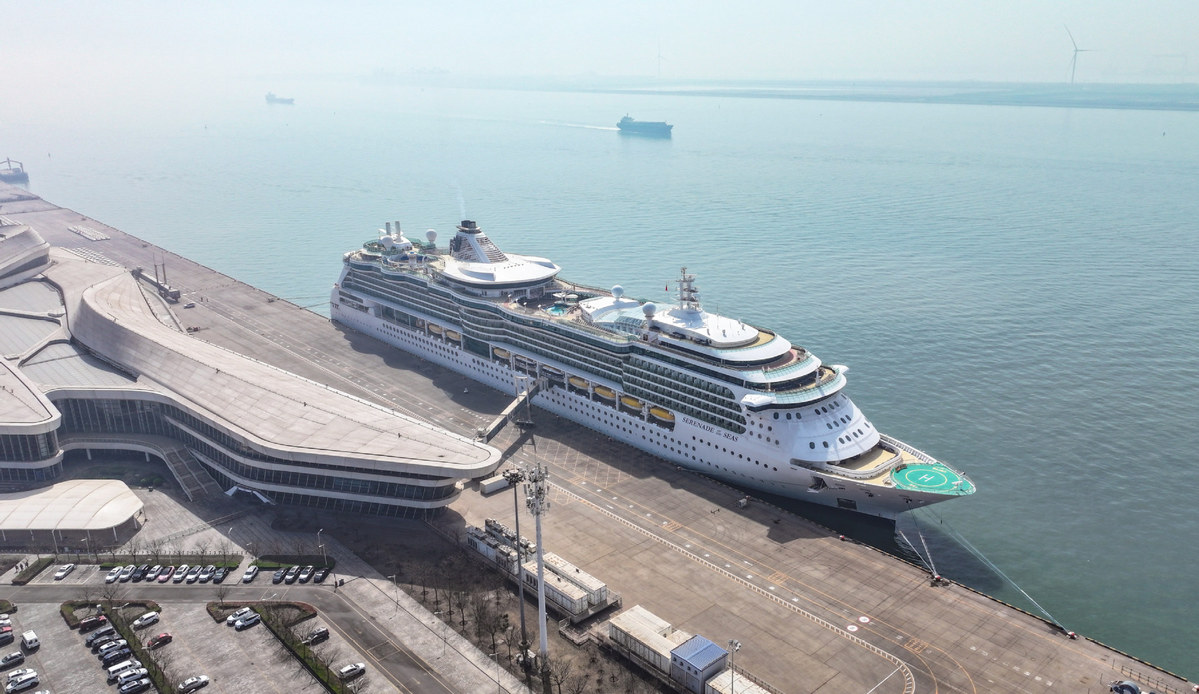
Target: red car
x=161 y=640
x=166 y=574
x=89 y=623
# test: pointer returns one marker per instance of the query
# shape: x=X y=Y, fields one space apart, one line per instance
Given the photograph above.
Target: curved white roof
x=70 y=505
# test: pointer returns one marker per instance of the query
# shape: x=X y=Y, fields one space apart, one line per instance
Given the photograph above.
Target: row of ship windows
x=692 y=395
x=678 y=377
x=843 y=439
x=673 y=396
x=661 y=439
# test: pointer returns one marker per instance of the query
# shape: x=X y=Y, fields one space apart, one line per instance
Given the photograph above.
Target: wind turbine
x=1074 y=58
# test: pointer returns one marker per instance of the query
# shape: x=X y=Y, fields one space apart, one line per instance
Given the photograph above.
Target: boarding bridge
x=512 y=412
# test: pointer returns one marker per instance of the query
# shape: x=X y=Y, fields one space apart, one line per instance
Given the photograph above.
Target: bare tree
x=202 y=548
x=576 y=684
x=560 y=670
x=222 y=591
x=224 y=547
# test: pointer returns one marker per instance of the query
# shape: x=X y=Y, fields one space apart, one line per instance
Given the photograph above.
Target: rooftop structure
x=90 y=353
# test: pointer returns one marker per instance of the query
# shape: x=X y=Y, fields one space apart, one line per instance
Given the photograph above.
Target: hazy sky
x=77 y=44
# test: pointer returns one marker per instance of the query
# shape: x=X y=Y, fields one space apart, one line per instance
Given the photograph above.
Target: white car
x=113 y=575
x=191 y=684
x=247 y=621
x=145 y=620
x=23 y=679
x=63 y=571
x=249 y=575
x=131 y=675
x=351 y=671
x=206 y=573
x=241 y=612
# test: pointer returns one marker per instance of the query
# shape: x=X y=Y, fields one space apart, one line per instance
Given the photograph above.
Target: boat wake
x=584 y=126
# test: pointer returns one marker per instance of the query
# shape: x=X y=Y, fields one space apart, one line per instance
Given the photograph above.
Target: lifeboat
x=435 y=329
x=578 y=382
x=630 y=401
x=664 y=415
x=551 y=371
x=453 y=335
x=605 y=393
x=501 y=352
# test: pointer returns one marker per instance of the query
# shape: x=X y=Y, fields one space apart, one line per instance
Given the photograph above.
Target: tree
x=224 y=548
x=560 y=670
x=222 y=591
x=202 y=548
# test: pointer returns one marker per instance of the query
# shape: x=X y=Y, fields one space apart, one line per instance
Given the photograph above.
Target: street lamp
x=397 y=590
x=515 y=476
x=435 y=614
x=324 y=559
x=734 y=646
x=499 y=689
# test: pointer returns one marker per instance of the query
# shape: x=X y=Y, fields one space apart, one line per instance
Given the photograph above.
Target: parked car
x=104 y=641
x=145 y=620
x=140 y=573
x=316 y=636
x=152 y=574
x=292 y=574
x=107 y=630
x=206 y=573
x=89 y=623
x=6 y=636
x=320 y=575
x=113 y=657
x=109 y=646
x=113 y=574
x=131 y=675
x=180 y=573
x=135 y=686
x=349 y=672
x=249 y=575
x=279 y=576
x=165 y=574
x=191 y=684
x=219 y=575
x=160 y=640
x=27 y=680
x=12 y=660
x=237 y=614
x=194 y=573
x=247 y=621
x=63 y=571
x=306 y=574
x=127 y=573
x=23 y=672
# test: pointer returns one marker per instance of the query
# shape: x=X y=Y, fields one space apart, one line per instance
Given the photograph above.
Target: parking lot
x=251 y=660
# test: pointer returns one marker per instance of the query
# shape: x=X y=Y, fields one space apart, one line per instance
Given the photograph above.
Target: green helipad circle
x=931 y=478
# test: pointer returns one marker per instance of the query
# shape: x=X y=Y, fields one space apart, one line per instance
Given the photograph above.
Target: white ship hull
x=690 y=444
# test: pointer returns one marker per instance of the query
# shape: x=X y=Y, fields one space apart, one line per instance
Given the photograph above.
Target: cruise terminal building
x=92 y=358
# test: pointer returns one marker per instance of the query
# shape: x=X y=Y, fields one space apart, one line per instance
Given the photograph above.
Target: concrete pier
x=813 y=613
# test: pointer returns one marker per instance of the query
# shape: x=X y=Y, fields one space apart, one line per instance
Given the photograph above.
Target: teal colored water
x=1014 y=289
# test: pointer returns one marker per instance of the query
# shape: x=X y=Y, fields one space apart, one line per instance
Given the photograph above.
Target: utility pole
x=536 y=496
x=515 y=476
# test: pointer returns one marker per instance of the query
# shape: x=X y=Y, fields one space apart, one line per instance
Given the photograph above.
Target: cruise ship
x=713 y=394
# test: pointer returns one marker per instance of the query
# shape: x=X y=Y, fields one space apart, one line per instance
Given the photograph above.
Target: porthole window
x=811 y=444
x=825 y=443
x=776 y=415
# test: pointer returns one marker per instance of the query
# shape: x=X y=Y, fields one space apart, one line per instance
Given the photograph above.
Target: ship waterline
x=710 y=393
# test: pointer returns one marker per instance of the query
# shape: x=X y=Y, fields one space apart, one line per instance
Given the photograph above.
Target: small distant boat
x=453 y=335
x=272 y=99
x=435 y=329
x=632 y=126
x=630 y=401
x=501 y=352
x=12 y=171
x=578 y=382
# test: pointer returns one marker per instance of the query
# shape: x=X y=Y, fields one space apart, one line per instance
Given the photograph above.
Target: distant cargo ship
x=641 y=127
x=13 y=172
x=272 y=99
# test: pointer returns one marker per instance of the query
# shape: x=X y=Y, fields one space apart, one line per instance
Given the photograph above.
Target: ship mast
x=688 y=293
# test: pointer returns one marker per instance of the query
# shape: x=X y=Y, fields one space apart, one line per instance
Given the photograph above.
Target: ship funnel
x=468 y=226
x=388 y=225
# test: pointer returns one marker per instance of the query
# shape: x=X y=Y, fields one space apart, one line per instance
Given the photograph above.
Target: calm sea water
x=1013 y=288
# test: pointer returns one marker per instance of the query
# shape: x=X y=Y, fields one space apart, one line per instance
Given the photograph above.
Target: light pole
x=498 y=688
x=397 y=590
x=734 y=646
x=435 y=614
x=324 y=559
x=537 y=498
x=515 y=477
